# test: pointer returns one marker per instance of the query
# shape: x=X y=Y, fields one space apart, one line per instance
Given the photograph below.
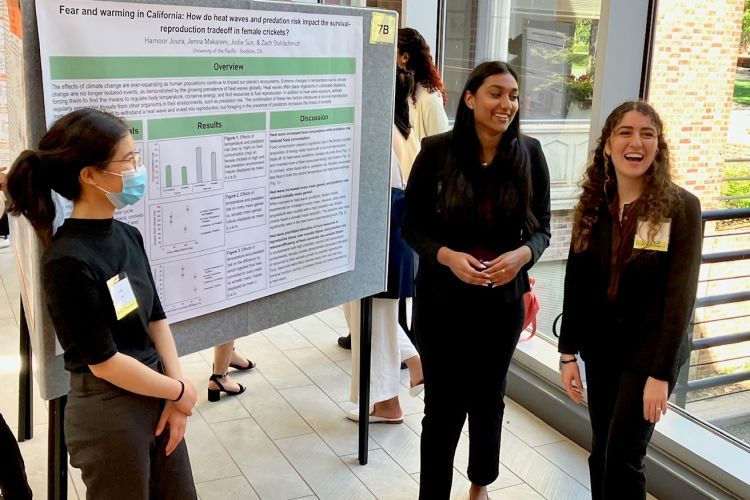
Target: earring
x=606 y=169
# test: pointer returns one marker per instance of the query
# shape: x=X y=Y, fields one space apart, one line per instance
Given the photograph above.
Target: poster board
x=27 y=248
x=369 y=70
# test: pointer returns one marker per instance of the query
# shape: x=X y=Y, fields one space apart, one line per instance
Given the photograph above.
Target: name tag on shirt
x=122 y=294
x=660 y=241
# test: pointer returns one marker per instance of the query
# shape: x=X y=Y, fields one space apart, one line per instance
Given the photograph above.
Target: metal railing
x=684 y=385
x=736 y=179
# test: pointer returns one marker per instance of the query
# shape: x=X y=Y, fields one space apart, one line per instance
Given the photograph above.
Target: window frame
x=687 y=457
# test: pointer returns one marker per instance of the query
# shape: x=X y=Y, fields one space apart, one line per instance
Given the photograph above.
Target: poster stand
x=366 y=279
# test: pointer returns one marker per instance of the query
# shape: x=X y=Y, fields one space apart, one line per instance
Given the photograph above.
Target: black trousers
x=13 y=483
x=4 y=229
x=110 y=436
x=466 y=341
x=620 y=434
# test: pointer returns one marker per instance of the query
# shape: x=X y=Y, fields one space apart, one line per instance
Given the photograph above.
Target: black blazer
x=646 y=326
x=426 y=228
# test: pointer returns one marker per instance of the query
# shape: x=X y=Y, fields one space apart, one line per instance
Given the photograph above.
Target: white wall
x=422 y=15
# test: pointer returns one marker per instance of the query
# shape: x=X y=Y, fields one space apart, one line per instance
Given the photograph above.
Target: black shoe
x=346 y=342
x=215 y=394
x=249 y=366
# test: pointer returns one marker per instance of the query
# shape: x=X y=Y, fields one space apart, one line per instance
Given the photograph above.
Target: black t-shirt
x=84 y=254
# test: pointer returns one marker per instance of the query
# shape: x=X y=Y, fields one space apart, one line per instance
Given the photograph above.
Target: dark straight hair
x=83 y=138
x=511 y=164
x=404 y=87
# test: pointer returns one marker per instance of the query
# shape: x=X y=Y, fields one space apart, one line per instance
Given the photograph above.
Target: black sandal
x=250 y=365
x=215 y=394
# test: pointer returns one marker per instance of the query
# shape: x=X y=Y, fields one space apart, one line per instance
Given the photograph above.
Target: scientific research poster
x=248 y=123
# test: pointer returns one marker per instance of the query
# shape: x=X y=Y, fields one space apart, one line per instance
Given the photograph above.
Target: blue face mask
x=133 y=188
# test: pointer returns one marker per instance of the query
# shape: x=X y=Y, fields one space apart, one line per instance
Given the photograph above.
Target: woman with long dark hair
x=128 y=403
x=428 y=98
x=630 y=286
x=478 y=214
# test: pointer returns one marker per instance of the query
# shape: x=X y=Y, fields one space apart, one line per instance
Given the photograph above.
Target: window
x=552 y=46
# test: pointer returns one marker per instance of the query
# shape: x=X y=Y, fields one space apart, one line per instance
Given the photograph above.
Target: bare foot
x=478 y=492
x=238 y=359
x=390 y=408
x=416 y=376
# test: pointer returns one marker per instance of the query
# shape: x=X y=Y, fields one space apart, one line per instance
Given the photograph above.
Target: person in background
x=390 y=345
x=428 y=99
x=128 y=404
x=13 y=482
x=630 y=285
x=4 y=229
x=478 y=215
x=426 y=116
x=226 y=357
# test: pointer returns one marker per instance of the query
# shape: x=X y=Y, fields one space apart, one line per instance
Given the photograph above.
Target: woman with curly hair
x=630 y=286
x=428 y=99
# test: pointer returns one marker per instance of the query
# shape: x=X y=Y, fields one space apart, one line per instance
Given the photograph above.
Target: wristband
x=182 y=390
x=566 y=361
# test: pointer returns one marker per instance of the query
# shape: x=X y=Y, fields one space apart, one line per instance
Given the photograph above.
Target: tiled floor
x=287 y=437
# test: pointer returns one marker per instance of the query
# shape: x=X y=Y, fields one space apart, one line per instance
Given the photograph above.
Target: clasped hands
x=499 y=271
x=175 y=414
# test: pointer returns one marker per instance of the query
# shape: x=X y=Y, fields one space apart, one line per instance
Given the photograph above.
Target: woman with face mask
x=128 y=403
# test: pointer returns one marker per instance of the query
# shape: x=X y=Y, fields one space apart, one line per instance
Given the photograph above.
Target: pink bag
x=531 y=303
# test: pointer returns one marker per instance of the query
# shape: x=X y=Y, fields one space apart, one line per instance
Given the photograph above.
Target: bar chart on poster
x=248 y=124
x=181 y=166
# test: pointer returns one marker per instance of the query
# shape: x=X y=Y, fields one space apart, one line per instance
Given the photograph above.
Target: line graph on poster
x=185 y=227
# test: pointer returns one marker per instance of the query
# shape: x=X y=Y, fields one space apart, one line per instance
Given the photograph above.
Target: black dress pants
x=466 y=340
x=620 y=434
x=13 y=483
x=4 y=229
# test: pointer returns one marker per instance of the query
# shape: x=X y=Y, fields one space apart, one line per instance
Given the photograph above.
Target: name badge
x=122 y=294
x=660 y=241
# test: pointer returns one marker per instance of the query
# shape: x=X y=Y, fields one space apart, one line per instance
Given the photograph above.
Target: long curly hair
x=660 y=195
x=420 y=62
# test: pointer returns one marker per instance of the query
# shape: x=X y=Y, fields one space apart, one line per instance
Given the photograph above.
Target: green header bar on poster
x=191 y=126
x=136 y=129
x=113 y=68
x=311 y=118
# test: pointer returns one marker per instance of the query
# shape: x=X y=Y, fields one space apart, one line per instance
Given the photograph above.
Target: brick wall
x=737 y=151
x=692 y=82
x=562 y=226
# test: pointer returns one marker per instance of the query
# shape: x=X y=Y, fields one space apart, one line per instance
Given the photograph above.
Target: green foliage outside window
x=745 y=37
x=736 y=188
